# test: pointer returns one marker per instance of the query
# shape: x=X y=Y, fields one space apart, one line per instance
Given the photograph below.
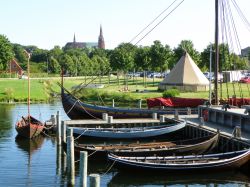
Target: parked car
x=245 y=79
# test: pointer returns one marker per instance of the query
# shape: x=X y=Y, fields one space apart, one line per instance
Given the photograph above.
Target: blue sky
x=46 y=23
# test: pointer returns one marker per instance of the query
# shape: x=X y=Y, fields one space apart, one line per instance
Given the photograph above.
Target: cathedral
x=99 y=44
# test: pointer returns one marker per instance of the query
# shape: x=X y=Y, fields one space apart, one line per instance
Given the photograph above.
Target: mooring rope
x=87 y=111
x=108 y=169
x=47 y=134
x=92 y=153
x=71 y=107
x=81 y=134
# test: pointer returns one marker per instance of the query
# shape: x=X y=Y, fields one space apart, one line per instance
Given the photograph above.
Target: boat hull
x=223 y=161
x=196 y=146
x=128 y=133
x=29 y=129
x=76 y=109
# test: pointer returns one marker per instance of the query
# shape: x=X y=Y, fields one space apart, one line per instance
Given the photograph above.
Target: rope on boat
x=87 y=111
x=108 y=169
x=44 y=133
x=72 y=107
x=92 y=153
x=81 y=134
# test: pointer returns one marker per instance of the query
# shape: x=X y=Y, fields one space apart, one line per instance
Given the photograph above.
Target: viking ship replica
x=28 y=126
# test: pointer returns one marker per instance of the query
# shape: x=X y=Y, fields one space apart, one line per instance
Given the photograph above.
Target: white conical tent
x=185 y=76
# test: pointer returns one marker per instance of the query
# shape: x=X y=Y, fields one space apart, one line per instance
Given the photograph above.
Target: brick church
x=99 y=44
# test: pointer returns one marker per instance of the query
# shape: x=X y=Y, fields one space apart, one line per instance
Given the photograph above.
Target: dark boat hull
x=197 y=146
x=223 y=161
x=29 y=129
x=76 y=109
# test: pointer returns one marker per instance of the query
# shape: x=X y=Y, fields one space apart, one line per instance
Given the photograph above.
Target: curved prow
x=62 y=89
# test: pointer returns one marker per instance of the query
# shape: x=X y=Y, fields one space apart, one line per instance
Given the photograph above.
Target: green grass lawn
x=42 y=89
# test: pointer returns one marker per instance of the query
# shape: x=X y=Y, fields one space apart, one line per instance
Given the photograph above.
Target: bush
x=171 y=93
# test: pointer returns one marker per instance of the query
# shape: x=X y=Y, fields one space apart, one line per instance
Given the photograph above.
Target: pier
x=232 y=124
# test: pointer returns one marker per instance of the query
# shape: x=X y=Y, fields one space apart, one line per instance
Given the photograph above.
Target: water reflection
x=5 y=120
x=223 y=178
x=29 y=146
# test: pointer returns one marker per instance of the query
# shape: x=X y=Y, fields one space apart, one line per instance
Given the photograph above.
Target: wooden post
x=58 y=125
x=63 y=131
x=176 y=114
x=237 y=132
x=154 y=115
x=105 y=116
x=83 y=168
x=53 y=119
x=94 y=180
x=70 y=156
x=110 y=119
x=139 y=103
x=162 y=118
x=113 y=103
x=202 y=120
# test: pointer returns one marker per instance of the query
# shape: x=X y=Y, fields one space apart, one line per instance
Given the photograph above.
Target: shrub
x=171 y=93
x=9 y=92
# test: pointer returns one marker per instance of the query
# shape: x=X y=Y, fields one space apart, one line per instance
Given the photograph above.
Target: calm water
x=39 y=162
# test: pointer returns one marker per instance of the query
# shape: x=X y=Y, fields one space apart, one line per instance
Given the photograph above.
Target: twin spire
x=101 y=43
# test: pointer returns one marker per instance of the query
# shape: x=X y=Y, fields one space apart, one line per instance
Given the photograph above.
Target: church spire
x=74 y=39
x=101 y=43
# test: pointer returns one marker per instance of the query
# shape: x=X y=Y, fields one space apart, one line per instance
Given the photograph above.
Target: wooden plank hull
x=195 y=146
x=29 y=129
x=220 y=161
x=129 y=133
x=76 y=109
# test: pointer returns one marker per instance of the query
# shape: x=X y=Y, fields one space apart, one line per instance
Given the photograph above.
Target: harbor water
x=40 y=162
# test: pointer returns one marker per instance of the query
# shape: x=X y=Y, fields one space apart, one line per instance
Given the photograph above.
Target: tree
x=6 y=52
x=122 y=58
x=19 y=54
x=101 y=64
x=67 y=63
x=160 y=56
x=227 y=60
x=186 y=46
x=142 y=58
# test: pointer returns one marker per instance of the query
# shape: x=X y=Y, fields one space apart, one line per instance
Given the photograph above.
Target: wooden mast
x=216 y=101
x=29 y=87
x=28 y=72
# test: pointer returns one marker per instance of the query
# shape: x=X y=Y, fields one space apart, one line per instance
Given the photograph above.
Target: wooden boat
x=225 y=178
x=76 y=109
x=219 y=161
x=189 y=146
x=129 y=133
x=28 y=126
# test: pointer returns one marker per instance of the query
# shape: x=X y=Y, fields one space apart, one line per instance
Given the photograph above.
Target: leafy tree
x=67 y=64
x=227 y=60
x=6 y=52
x=142 y=58
x=122 y=58
x=85 y=65
x=186 y=46
x=54 y=65
x=160 y=56
x=19 y=54
x=101 y=63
